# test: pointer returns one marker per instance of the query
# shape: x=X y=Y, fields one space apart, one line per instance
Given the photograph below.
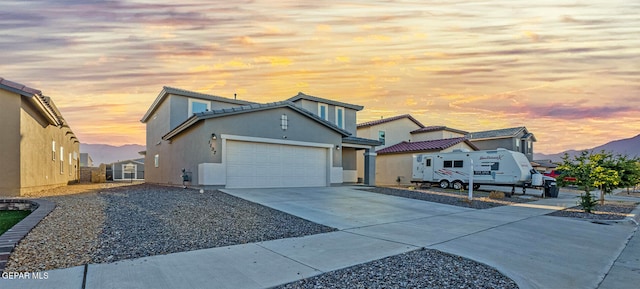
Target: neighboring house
x=85 y=160
x=128 y=170
x=302 y=141
x=543 y=166
x=395 y=163
x=517 y=139
x=407 y=132
x=39 y=149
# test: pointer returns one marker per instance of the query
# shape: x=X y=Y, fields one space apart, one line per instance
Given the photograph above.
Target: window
x=284 y=122
x=340 y=117
x=448 y=164
x=323 y=111
x=53 y=150
x=70 y=159
x=381 y=136
x=458 y=164
x=129 y=171
x=517 y=145
x=61 y=160
x=196 y=106
x=156 y=159
x=427 y=163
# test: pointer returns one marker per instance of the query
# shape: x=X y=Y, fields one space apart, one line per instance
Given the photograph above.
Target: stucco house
x=39 y=149
x=128 y=170
x=402 y=137
x=301 y=141
x=517 y=139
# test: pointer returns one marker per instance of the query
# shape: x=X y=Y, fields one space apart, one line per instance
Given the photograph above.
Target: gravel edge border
x=10 y=239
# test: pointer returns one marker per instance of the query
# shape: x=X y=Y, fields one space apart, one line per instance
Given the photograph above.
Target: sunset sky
x=567 y=70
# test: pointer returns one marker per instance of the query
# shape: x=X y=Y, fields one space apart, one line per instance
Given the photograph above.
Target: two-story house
x=402 y=137
x=217 y=141
x=517 y=139
x=39 y=149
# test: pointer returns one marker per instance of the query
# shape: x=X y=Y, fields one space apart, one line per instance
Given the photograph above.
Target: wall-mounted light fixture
x=214 y=136
x=337 y=147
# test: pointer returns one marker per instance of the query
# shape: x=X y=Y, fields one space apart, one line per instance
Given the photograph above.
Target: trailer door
x=428 y=169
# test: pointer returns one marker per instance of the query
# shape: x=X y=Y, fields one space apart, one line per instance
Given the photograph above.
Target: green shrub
x=587 y=202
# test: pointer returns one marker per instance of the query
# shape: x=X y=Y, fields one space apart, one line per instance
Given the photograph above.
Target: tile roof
x=390 y=119
x=437 y=128
x=301 y=95
x=22 y=89
x=43 y=103
x=420 y=146
x=496 y=133
x=247 y=109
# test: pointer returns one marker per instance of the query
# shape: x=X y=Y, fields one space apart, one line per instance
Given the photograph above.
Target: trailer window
x=457 y=164
x=495 y=166
x=427 y=163
x=448 y=164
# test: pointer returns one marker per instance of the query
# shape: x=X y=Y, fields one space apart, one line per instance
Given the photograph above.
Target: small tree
x=592 y=170
x=630 y=168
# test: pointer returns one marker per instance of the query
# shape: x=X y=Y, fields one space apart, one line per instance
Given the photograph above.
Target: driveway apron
x=535 y=250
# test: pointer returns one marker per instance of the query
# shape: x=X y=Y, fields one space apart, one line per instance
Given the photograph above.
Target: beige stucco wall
x=27 y=149
x=10 y=144
x=395 y=132
x=435 y=135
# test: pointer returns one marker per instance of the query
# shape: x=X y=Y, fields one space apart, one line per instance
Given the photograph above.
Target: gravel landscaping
x=417 y=269
x=609 y=211
x=481 y=199
x=107 y=223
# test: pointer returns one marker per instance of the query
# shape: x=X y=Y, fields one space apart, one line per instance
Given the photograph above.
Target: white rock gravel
x=417 y=269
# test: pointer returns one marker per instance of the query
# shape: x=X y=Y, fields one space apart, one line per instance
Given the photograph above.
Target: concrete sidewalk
x=535 y=250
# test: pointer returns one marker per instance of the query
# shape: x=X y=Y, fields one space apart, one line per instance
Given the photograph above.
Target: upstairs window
x=381 y=136
x=156 y=160
x=196 y=106
x=323 y=111
x=53 y=150
x=284 y=122
x=340 y=117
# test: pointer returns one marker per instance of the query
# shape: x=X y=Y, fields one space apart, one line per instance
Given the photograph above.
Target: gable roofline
x=197 y=117
x=301 y=95
x=167 y=90
x=437 y=128
x=498 y=133
x=390 y=119
x=42 y=103
x=424 y=146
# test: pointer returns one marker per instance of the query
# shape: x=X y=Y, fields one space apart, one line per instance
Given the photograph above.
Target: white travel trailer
x=498 y=167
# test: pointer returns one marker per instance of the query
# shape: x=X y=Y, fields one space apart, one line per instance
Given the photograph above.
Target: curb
x=10 y=239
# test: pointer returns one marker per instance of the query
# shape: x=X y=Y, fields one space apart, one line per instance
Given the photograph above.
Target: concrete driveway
x=535 y=250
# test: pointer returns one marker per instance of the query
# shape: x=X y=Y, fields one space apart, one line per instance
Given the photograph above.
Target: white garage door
x=262 y=165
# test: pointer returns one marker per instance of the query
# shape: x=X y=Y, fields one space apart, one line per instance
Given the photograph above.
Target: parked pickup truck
x=555 y=174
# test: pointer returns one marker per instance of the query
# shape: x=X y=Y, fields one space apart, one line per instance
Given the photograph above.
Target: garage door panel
x=254 y=165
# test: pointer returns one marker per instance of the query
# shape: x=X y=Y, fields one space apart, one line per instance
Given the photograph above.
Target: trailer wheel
x=457 y=185
x=524 y=190
x=444 y=184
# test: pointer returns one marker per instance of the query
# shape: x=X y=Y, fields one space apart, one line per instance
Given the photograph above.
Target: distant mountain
x=628 y=146
x=106 y=154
